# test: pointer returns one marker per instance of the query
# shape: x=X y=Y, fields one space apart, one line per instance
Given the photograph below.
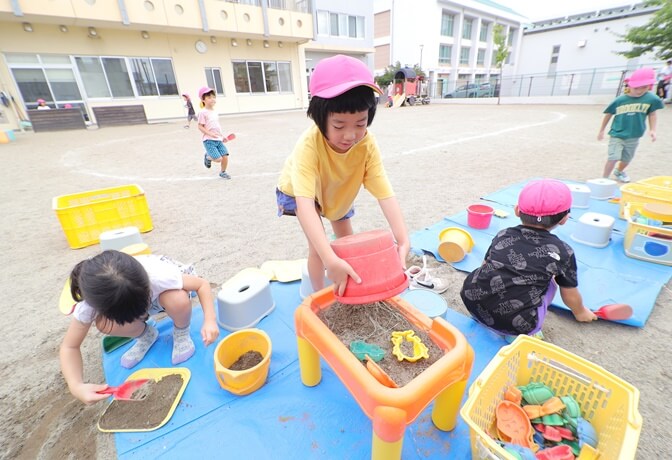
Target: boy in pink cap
x=330 y=163
x=630 y=112
x=524 y=265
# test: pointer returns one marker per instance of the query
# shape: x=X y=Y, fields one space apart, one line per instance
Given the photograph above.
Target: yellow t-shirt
x=314 y=170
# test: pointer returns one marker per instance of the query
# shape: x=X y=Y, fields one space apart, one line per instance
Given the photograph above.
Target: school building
x=105 y=53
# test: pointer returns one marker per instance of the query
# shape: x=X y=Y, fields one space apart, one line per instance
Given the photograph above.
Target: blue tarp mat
x=606 y=275
x=283 y=419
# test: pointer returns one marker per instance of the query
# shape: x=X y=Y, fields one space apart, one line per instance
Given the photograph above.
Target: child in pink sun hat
x=331 y=162
x=511 y=291
x=630 y=112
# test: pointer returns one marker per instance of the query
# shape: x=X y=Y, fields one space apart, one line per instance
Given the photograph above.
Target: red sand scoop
x=124 y=391
x=614 y=312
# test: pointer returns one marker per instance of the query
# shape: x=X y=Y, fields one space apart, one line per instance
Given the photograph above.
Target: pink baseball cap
x=642 y=77
x=40 y=101
x=336 y=75
x=205 y=90
x=544 y=197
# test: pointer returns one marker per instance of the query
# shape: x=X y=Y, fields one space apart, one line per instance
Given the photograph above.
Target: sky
x=536 y=10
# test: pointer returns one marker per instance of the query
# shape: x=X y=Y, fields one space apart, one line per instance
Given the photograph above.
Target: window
x=447 y=22
x=262 y=77
x=466 y=28
x=480 y=57
x=464 y=55
x=33 y=84
x=444 y=54
x=93 y=76
x=117 y=77
x=512 y=32
x=165 y=77
x=153 y=77
x=63 y=84
x=556 y=49
x=213 y=76
x=340 y=25
x=483 y=37
x=143 y=76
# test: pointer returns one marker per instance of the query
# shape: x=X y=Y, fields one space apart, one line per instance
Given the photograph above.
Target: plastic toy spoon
x=124 y=391
x=230 y=137
x=379 y=374
x=614 y=312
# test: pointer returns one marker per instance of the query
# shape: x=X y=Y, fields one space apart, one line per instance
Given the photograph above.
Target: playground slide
x=398 y=99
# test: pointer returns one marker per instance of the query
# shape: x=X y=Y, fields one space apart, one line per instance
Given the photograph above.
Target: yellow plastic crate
x=84 y=216
x=658 y=181
x=646 y=242
x=607 y=402
x=644 y=193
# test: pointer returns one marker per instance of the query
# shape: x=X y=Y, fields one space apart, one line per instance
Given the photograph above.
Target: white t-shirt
x=163 y=276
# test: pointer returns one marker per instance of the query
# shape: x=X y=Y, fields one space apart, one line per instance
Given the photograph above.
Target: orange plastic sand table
x=390 y=409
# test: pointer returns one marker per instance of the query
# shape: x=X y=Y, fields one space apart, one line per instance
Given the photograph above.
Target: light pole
x=421 y=47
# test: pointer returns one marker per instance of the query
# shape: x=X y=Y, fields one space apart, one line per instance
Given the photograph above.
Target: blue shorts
x=287 y=206
x=215 y=149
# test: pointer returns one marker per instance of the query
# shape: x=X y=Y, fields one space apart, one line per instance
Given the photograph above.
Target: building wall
x=415 y=38
x=171 y=30
x=583 y=45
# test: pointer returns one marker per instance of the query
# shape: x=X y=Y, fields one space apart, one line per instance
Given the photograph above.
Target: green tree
x=653 y=37
x=501 y=53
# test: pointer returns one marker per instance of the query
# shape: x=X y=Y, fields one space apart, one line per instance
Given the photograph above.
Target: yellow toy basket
x=607 y=402
x=84 y=216
x=652 y=243
x=658 y=181
x=646 y=191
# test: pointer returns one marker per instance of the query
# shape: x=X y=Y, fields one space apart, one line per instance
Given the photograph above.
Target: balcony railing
x=301 y=6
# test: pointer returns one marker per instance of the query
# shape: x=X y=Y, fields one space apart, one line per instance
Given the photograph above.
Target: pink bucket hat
x=642 y=77
x=336 y=75
x=544 y=197
x=41 y=101
x=204 y=90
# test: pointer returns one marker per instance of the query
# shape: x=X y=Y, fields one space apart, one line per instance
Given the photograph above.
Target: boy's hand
x=87 y=393
x=338 y=272
x=600 y=135
x=209 y=331
x=585 y=315
x=653 y=136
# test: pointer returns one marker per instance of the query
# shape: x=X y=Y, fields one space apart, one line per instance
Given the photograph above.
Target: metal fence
x=598 y=81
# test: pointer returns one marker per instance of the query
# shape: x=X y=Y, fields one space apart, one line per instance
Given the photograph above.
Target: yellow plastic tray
x=66 y=304
x=638 y=192
x=155 y=374
x=607 y=402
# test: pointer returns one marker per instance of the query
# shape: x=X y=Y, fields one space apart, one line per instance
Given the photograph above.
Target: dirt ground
x=440 y=158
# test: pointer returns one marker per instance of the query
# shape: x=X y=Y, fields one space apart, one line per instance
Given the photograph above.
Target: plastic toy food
x=552 y=406
x=536 y=393
x=513 y=424
x=556 y=453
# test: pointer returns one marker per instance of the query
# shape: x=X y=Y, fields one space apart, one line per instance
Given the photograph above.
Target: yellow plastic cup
x=232 y=347
x=454 y=244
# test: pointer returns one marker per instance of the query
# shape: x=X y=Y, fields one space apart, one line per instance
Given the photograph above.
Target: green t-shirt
x=630 y=114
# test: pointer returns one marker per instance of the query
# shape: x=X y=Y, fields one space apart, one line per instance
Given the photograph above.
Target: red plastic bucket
x=373 y=255
x=479 y=215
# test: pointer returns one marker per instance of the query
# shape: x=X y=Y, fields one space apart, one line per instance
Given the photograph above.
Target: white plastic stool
x=244 y=300
x=306 y=287
x=120 y=238
x=594 y=229
x=580 y=195
x=602 y=189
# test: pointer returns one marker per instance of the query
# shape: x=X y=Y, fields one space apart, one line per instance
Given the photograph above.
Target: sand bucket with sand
x=231 y=349
x=454 y=244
